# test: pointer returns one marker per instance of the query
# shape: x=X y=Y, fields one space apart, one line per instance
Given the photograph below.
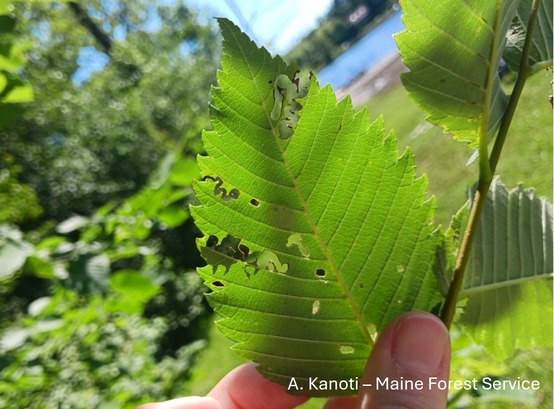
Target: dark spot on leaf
x=243 y=251
x=254 y=202
x=320 y=272
x=296 y=81
x=361 y=285
x=270 y=81
x=212 y=241
x=218 y=284
x=234 y=194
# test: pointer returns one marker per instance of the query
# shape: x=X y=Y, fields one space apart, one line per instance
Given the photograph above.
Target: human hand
x=413 y=347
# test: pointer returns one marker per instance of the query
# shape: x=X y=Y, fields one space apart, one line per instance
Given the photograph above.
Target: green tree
x=90 y=137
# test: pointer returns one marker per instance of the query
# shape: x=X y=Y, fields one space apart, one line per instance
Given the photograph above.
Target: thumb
x=407 y=361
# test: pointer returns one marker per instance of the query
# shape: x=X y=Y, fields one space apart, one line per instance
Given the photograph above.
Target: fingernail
x=419 y=343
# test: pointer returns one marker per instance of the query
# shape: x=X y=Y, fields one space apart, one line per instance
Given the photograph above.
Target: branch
x=449 y=308
x=91 y=26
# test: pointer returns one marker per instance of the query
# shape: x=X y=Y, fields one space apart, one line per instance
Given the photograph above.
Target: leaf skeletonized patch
x=335 y=223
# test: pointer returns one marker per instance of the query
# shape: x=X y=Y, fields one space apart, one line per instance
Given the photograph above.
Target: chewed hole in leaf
x=254 y=202
x=212 y=241
x=219 y=190
x=218 y=284
x=230 y=246
x=372 y=331
x=315 y=307
x=346 y=349
x=320 y=272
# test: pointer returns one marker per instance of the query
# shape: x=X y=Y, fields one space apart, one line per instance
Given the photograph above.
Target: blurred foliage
x=346 y=22
x=79 y=352
x=99 y=303
x=101 y=133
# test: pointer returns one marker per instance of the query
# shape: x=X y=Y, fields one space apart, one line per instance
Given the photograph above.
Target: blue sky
x=277 y=25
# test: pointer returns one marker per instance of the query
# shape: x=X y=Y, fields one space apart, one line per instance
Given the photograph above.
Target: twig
x=485 y=178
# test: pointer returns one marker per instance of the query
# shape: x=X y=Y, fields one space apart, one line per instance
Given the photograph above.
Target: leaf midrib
x=336 y=271
x=503 y=284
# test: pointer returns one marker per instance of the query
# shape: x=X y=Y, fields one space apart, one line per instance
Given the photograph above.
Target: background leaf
x=452 y=49
x=314 y=239
x=508 y=279
x=541 y=48
x=13 y=251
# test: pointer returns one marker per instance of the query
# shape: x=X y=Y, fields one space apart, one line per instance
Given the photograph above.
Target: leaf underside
x=540 y=54
x=317 y=234
x=508 y=281
x=452 y=49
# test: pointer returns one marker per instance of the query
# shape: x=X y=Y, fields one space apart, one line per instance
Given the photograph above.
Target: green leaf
x=89 y=273
x=316 y=232
x=508 y=279
x=4 y=7
x=19 y=94
x=184 y=172
x=540 y=55
x=13 y=252
x=452 y=49
x=173 y=215
x=135 y=289
x=132 y=284
x=72 y=224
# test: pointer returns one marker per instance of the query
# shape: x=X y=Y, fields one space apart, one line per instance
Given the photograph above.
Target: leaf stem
x=449 y=307
x=485 y=178
x=522 y=76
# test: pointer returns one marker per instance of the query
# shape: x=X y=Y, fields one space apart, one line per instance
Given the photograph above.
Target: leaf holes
x=234 y=194
x=320 y=272
x=254 y=202
x=212 y=241
x=243 y=251
x=400 y=268
x=218 y=284
x=372 y=331
x=218 y=189
x=346 y=349
x=315 y=307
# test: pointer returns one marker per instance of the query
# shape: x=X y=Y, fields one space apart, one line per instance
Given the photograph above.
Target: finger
x=191 y=402
x=411 y=351
x=245 y=387
x=341 y=403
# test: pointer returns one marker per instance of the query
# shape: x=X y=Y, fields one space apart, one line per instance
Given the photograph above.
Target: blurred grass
x=527 y=157
x=527 y=154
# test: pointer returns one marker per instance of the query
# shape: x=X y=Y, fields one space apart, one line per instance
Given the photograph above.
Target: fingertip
x=413 y=348
x=245 y=386
x=189 y=402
